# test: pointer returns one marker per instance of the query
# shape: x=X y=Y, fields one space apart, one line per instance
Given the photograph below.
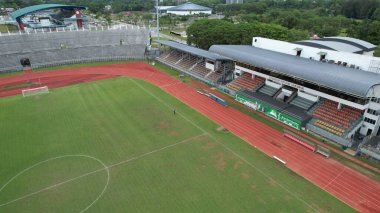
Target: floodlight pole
x=158 y=21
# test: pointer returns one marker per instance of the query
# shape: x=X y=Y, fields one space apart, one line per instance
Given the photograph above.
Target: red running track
x=51 y=82
x=351 y=187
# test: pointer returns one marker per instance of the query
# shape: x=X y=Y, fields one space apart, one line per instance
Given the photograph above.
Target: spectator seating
x=245 y=81
x=200 y=69
x=188 y=61
x=191 y=63
x=330 y=128
x=213 y=76
x=174 y=57
x=53 y=48
x=335 y=120
x=302 y=102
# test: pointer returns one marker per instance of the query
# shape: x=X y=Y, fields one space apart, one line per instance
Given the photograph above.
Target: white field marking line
x=105 y=168
x=341 y=172
x=58 y=184
x=227 y=148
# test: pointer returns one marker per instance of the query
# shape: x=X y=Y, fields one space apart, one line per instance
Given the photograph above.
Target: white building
x=234 y=1
x=189 y=9
x=321 y=53
x=162 y=9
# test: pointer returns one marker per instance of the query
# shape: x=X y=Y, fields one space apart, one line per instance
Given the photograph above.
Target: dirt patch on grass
x=238 y=164
x=220 y=163
x=162 y=125
x=272 y=182
x=245 y=175
x=208 y=146
x=173 y=133
x=253 y=187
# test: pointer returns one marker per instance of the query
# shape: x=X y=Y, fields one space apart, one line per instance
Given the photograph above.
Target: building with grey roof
x=325 y=51
x=342 y=79
x=234 y=1
x=189 y=9
x=341 y=44
x=332 y=100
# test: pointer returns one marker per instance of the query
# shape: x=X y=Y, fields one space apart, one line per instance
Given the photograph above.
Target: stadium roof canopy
x=346 y=80
x=189 y=7
x=354 y=41
x=330 y=45
x=344 y=44
x=27 y=10
x=193 y=50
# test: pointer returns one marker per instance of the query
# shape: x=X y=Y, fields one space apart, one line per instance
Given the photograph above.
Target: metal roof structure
x=343 y=44
x=346 y=80
x=331 y=45
x=189 y=7
x=193 y=50
x=27 y=10
x=354 y=41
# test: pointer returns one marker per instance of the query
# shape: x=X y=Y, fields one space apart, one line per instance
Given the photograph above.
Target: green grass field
x=116 y=146
x=4 y=28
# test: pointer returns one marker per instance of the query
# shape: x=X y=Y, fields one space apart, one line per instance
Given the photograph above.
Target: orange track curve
x=351 y=187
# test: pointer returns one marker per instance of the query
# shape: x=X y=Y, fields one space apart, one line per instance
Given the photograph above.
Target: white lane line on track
x=340 y=173
x=226 y=147
x=169 y=85
x=102 y=169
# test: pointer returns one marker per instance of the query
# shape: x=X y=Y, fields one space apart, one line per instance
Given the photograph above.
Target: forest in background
x=288 y=20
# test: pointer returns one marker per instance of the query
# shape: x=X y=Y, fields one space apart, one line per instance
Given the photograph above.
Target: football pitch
x=116 y=145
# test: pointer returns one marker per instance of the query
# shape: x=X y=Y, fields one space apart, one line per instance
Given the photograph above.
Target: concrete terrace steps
x=268 y=90
x=302 y=102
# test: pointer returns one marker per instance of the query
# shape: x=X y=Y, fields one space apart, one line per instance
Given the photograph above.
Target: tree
x=376 y=14
x=366 y=30
x=204 y=33
x=377 y=51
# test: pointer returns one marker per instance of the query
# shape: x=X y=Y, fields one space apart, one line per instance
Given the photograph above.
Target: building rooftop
x=343 y=79
x=27 y=10
x=343 y=44
x=189 y=7
x=193 y=50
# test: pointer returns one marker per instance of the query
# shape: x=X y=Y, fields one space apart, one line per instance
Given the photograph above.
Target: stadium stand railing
x=328 y=135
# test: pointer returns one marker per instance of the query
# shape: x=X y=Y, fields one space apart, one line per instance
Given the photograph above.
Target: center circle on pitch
x=73 y=183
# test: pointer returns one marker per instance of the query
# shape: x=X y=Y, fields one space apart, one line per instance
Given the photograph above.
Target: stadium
x=94 y=121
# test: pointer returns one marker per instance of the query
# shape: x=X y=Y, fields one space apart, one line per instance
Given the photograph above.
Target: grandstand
x=338 y=103
x=76 y=46
x=203 y=65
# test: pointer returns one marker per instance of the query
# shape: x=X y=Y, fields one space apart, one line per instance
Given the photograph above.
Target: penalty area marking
x=105 y=168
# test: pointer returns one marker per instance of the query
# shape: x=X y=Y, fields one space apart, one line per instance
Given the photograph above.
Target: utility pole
x=158 y=20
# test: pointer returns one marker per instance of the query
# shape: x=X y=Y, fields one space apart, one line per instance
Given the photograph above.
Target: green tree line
x=205 y=33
